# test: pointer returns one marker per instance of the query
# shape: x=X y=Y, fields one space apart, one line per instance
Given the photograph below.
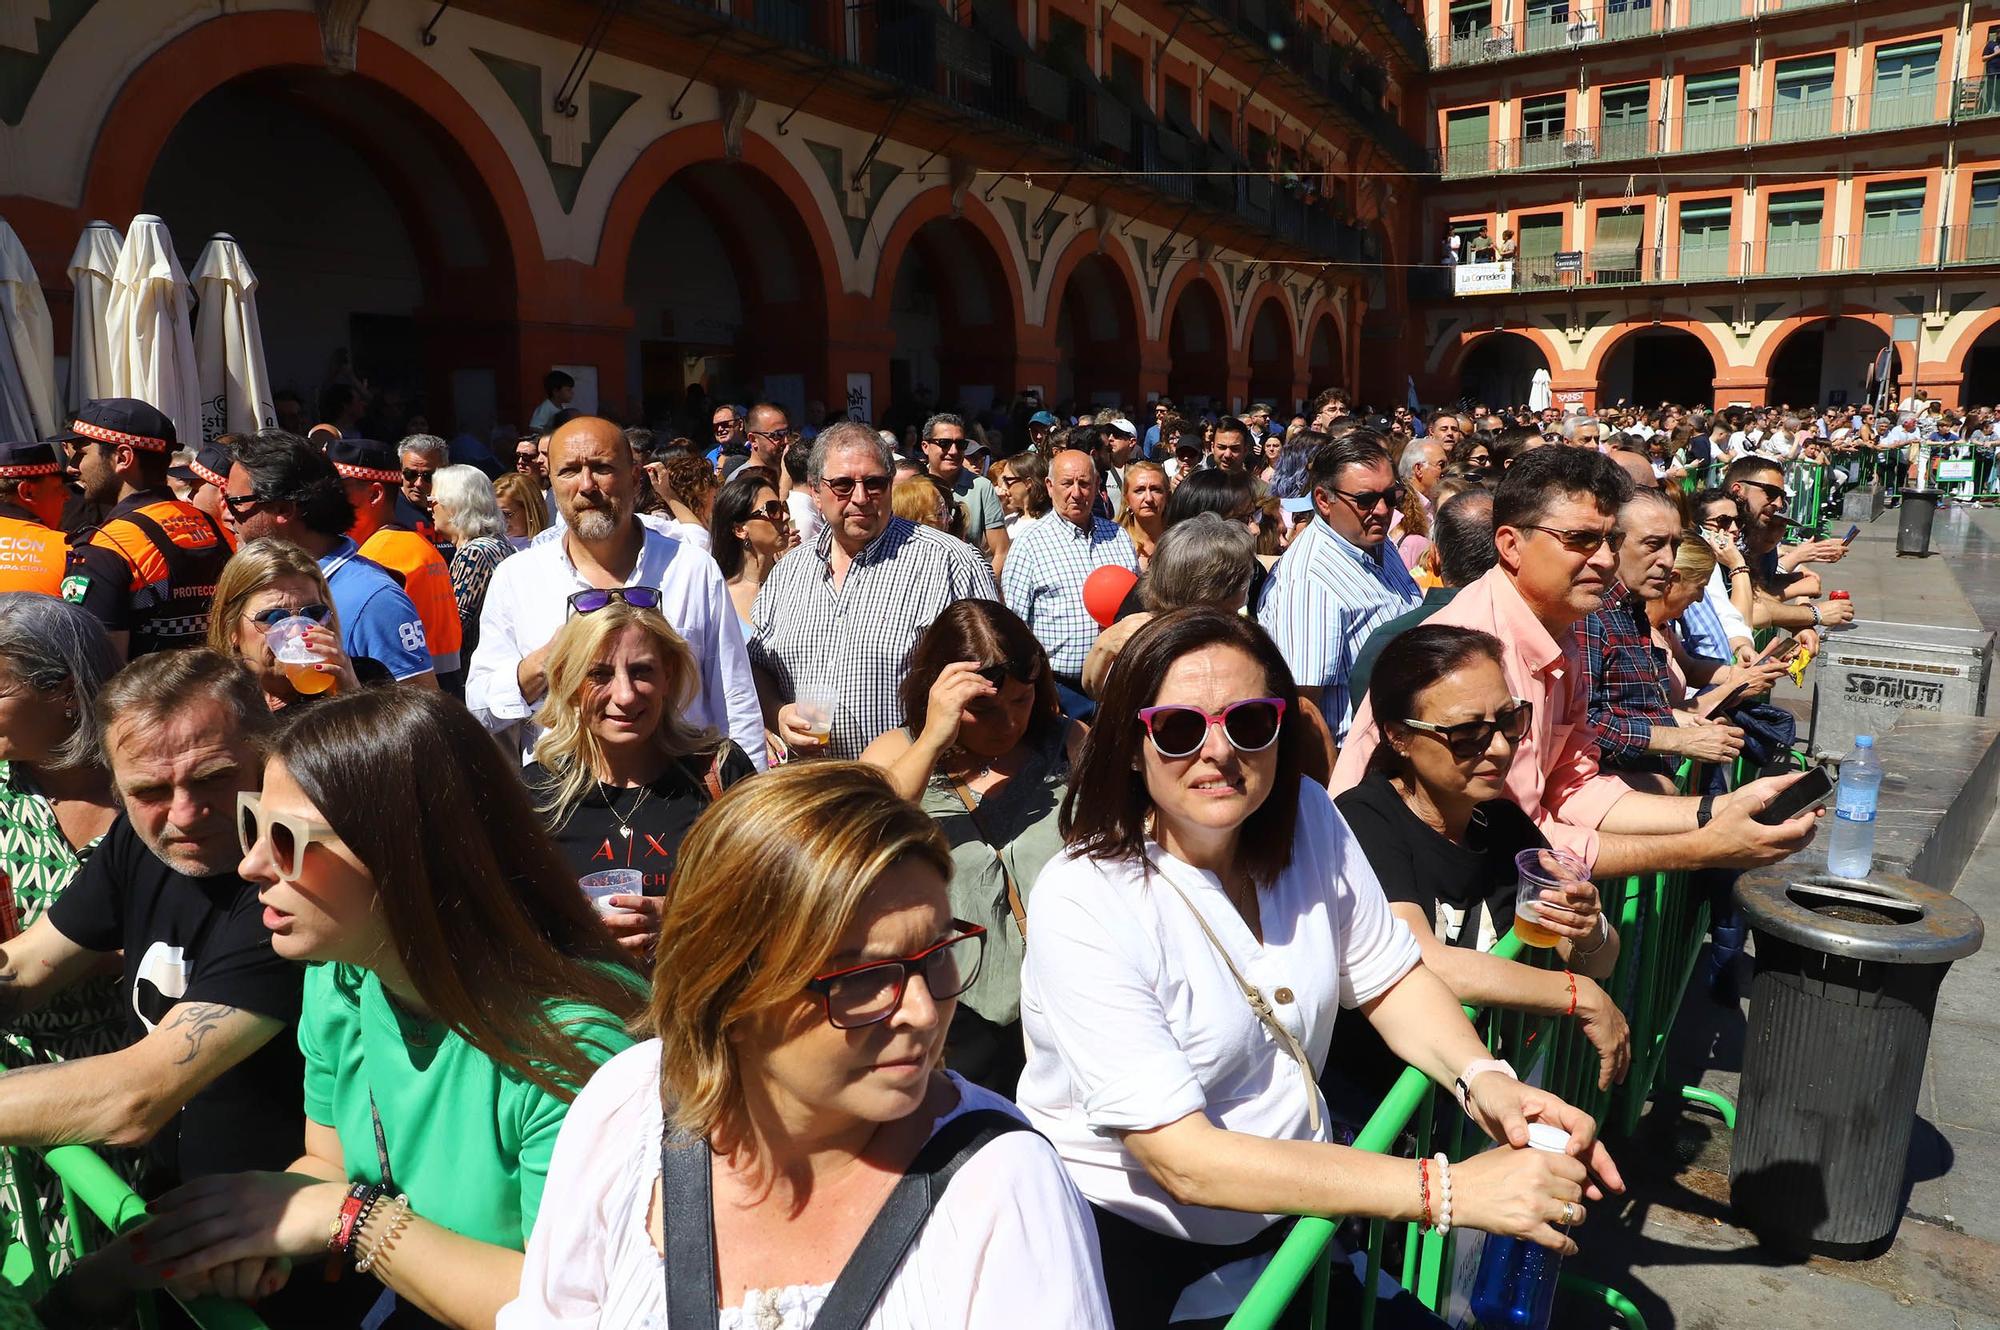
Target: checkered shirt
x=1043 y=578
x=1629 y=685
x=854 y=639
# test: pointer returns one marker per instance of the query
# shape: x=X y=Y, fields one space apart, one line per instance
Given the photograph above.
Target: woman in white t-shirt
x=1200 y=863
x=807 y=971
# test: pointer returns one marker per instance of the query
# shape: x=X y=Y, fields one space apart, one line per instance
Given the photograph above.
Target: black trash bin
x=1840 y=1023
x=1913 y=521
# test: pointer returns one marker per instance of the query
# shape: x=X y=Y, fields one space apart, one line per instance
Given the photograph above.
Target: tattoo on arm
x=195 y=1021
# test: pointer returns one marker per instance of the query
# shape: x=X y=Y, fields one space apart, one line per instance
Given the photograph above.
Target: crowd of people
x=626 y=889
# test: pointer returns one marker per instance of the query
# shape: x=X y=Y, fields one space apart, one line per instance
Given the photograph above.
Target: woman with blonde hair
x=264 y=583
x=1144 y=514
x=808 y=968
x=921 y=500
x=619 y=772
x=522 y=507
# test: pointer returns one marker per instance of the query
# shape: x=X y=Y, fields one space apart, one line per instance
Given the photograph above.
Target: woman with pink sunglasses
x=1201 y=867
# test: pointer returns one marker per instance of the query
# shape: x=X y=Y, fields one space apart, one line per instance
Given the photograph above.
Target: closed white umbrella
x=152 y=342
x=1538 y=391
x=91 y=269
x=229 y=344
x=28 y=381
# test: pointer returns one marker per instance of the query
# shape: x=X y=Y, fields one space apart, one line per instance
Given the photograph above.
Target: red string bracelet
x=1572 y=992
x=1424 y=1182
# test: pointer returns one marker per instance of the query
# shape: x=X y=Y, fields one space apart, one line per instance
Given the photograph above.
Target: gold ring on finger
x=1569 y=1213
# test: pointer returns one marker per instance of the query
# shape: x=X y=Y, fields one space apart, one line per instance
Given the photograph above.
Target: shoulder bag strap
x=1014 y=902
x=1261 y=1008
x=687 y=1230
x=902 y=1217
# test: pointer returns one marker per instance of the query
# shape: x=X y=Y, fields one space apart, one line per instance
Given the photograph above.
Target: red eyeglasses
x=866 y=994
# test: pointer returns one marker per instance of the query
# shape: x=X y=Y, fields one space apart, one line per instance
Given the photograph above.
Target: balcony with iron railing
x=1576 y=26
x=1686 y=263
x=1712 y=131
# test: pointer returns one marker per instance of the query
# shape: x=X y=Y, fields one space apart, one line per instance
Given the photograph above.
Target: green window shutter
x=1892 y=224
x=1710 y=106
x=1625 y=121
x=1982 y=231
x=1468 y=140
x=1905 y=85
x=1625 y=104
x=1540 y=236
x=1705 y=238
x=1543 y=116
x=1468 y=16
x=1791 y=237
x=1804 y=103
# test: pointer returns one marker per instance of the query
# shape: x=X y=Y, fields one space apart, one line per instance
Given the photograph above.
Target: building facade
x=814 y=201
x=1714 y=200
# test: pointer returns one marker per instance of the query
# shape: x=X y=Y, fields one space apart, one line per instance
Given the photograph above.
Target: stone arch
x=1326 y=358
x=1197 y=337
x=1655 y=363
x=1269 y=352
x=965 y=265
x=1096 y=321
x=1818 y=355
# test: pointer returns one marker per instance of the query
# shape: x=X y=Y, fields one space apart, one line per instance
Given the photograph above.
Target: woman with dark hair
x=1288 y=476
x=749 y=530
x=1231 y=493
x=1187 y=1111
x=985 y=750
x=1434 y=818
x=460 y=991
x=1473 y=456
x=1025 y=493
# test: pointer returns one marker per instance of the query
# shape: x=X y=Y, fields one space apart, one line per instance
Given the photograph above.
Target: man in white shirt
x=605 y=545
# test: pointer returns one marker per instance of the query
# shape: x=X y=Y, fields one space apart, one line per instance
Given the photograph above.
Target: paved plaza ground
x=1671 y=1245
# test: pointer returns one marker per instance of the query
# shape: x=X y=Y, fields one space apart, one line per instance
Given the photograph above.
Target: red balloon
x=1105 y=590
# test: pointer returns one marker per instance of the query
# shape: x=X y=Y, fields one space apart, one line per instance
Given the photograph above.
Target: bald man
x=604 y=547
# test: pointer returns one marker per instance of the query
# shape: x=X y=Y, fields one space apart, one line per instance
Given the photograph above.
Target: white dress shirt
x=1133 y=1021
x=528 y=601
x=1011 y=1246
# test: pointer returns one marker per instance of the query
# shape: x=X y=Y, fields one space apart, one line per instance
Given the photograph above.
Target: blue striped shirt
x=1323 y=600
x=1043 y=582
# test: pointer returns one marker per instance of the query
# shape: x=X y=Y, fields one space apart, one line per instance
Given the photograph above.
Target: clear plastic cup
x=1536 y=871
x=815 y=708
x=601 y=887
x=287 y=640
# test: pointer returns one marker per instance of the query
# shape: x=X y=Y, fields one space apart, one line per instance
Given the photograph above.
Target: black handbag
x=687 y=1218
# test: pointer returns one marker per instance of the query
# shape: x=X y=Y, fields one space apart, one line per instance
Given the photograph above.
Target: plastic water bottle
x=1850 y=851
x=1515 y=1286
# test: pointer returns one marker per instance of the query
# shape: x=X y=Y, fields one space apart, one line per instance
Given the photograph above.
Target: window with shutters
x=1802 y=101
x=1792 y=231
x=1614 y=250
x=1906 y=84
x=1180 y=106
x=1540 y=236
x=1128 y=76
x=1704 y=237
x=1628 y=18
x=1715 y=11
x=1624 y=120
x=1892 y=219
x=1982 y=230
x=1468 y=140
x=1548 y=24
x=1471 y=23
x=1709 y=119
x=1544 y=121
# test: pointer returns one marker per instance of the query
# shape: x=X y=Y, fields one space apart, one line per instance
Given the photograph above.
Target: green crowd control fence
x=95 y=1202
x=1661 y=926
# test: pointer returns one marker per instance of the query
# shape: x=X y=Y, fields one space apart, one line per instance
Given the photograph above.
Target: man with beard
x=985 y=520
x=1632 y=696
x=1341 y=579
x=1554 y=523
x=606 y=553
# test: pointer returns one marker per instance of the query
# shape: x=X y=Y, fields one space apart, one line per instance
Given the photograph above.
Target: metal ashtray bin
x=1914 y=516
x=1848 y=972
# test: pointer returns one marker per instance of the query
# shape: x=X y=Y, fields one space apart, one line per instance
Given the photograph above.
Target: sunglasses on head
x=866 y=994
x=1470 y=738
x=276 y=614
x=1018 y=671
x=289 y=834
x=1251 y=726
x=592 y=599
x=842 y=486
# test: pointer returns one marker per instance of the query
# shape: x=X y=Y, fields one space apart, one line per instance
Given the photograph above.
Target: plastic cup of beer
x=815 y=708
x=1539 y=871
x=287 y=640
x=601 y=887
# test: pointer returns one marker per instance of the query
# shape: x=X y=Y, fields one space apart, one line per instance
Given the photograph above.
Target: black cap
x=209 y=466
x=124 y=420
x=365 y=459
x=23 y=461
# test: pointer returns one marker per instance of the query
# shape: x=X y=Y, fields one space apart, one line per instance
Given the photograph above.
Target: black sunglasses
x=1018 y=671
x=592 y=599
x=1366 y=500
x=1470 y=738
x=417 y=475
x=1775 y=491
x=783 y=434
x=842 y=486
x=277 y=614
x=1578 y=540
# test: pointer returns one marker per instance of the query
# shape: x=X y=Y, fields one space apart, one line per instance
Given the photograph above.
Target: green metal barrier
x=95 y=1201
x=1808 y=482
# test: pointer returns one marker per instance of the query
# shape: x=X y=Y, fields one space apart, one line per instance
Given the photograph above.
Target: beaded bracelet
x=1444 y=1194
x=392 y=1228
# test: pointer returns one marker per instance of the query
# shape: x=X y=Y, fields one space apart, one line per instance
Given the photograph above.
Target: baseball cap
x=1044 y=418
x=1125 y=427
x=365 y=459
x=20 y=461
x=124 y=420
x=1302 y=504
x=208 y=466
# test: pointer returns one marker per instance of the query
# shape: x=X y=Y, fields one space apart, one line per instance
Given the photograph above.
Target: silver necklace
x=625 y=822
